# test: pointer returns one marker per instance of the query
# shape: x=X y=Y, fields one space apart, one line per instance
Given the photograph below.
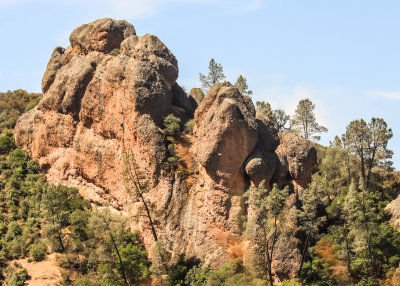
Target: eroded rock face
x=102 y=35
x=261 y=164
x=98 y=107
x=298 y=156
x=226 y=132
x=197 y=94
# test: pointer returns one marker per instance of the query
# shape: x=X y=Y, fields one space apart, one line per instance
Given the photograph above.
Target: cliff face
x=99 y=106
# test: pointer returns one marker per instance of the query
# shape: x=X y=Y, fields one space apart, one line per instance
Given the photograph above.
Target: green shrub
x=189 y=126
x=197 y=276
x=31 y=105
x=368 y=281
x=6 y=141
x=173 y=157
x=177 y=272
x=38 y=251
x=17 y=278
x=16 y=249
x=85 y=281
x=3 y=229
x=291 y=282
x=115 y=52
x=14 y=230
x=316 y=273
x=17 y=158
x=172 y=125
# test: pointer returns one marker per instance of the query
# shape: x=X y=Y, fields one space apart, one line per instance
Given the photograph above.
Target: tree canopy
x=241 y=85
x=215 y=74
x=304 y=121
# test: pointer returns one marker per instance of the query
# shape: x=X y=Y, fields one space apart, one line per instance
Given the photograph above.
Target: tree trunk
x=119 y=256
x=304 y=253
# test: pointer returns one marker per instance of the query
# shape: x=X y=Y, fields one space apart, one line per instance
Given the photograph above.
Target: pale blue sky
x=342 y=54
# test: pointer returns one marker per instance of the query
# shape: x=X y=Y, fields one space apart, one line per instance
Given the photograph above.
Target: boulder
x=197 y=94
x=102 y=35
x=298 y=156
x=261 y=164
x=226 y=132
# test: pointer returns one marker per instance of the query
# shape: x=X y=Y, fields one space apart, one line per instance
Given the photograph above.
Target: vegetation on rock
x=215 y=75
x=38 y=217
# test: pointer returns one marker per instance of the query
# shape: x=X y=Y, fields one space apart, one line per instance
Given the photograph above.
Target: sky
x=343 y=55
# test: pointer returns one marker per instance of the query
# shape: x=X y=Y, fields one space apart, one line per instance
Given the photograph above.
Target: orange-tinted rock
x=97 y=107
x=226 y=132
x=102 y=35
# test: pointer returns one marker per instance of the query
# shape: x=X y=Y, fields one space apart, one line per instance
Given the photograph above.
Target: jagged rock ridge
x=97 y=106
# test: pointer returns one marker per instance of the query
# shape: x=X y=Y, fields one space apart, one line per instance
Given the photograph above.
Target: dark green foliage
x=17 y=278
x=353 y=215
x=368 y=281
x=59 y=202
x=13 y=104
x=190 y=125
x=189 y=272
x=6 y=141
x=368 y=141
x=173 y=156
x=269 y=220
x=122 y=256
x=316 y=273
x=233 y=274
x=35 y=215
x=172 y=125
x=85 y=281
x=197 y=276
x=38 y=251
x=177 y=272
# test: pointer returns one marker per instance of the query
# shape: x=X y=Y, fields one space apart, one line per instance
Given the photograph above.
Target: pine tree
x=215 y=74
x=268 y=221
x=308 y=216
x=369 y=143
x=279 y=119
x=265 y=108
x=304 y=121
x=241 y=85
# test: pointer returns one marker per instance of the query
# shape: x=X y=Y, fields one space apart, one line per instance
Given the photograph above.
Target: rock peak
x=102 y=35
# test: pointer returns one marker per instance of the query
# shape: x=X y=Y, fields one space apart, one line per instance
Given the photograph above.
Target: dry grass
x=337 y=267
x=43 y=273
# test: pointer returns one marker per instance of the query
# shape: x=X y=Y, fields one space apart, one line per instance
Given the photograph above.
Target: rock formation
x=106 y=96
